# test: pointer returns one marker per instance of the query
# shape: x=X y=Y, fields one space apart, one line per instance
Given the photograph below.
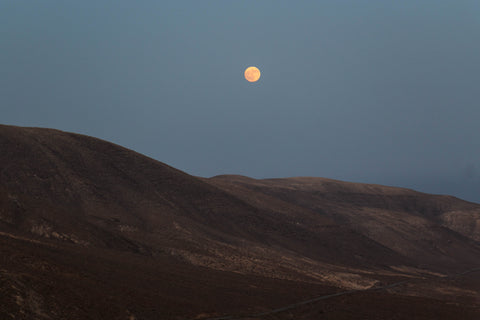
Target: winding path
x=301 y=303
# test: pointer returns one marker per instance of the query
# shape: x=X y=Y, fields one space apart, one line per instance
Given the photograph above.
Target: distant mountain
x=89 y=229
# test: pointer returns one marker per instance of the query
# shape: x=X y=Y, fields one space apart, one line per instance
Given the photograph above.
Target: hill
x=89 y=229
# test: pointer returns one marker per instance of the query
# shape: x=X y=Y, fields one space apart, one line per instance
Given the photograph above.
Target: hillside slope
x=429 y=229
x=82 y=219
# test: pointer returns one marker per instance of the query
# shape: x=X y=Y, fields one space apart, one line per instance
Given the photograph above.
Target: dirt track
x=305 y=302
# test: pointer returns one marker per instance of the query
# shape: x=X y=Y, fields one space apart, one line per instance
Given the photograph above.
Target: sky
x=370 y=91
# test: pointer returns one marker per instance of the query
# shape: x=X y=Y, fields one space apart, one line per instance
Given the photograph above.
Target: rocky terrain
x=91 y=230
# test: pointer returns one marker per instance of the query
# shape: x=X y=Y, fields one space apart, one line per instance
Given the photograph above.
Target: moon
x=252 y=74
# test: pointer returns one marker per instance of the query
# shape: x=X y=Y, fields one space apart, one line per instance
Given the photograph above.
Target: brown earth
x=91 y=230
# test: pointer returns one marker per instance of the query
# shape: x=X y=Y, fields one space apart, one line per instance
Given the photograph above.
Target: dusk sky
x=383 y=92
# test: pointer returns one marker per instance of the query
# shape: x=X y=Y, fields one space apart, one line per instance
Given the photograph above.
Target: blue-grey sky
x=371 y=91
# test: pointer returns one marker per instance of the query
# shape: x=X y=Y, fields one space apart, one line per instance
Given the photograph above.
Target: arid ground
x=91 y=230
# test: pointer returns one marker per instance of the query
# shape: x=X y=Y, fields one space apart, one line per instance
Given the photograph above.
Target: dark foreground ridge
x=92 y=230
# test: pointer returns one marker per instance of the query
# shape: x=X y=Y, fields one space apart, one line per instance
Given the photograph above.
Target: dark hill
x=432 y=230
x=83 y=220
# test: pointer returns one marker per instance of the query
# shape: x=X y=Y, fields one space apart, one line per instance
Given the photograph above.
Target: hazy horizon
x=375 y=92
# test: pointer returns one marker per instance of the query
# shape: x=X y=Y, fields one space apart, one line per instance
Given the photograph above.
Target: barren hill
x=89 y=229
x=428 y=229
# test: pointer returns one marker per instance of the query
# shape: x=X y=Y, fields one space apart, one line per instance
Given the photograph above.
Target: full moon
x=252 y=74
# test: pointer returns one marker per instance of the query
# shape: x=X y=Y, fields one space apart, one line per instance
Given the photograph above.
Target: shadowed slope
x=87 y=218
x=87 y=191
x=90 y=191
x=420 y=226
